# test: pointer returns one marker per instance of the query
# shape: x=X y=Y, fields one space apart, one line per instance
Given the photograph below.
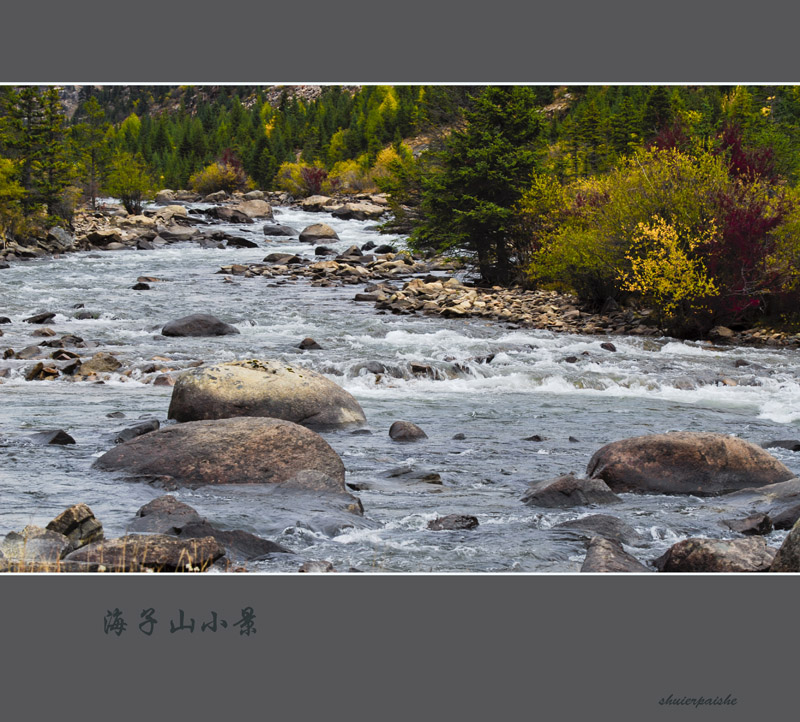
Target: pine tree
x=468 y=205
x=89 y=138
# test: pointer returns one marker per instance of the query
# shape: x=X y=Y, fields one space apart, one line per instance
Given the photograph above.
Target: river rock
x=318 y=232
x=274 y=229
x=453 y=522
x=198 y=324
x=101 y=362
x=35 y=544
x=788 y=444
x=165 y=197
x=717 y=555
x=568 y=491
x=45 y=317
x=788 y=557
x=263 y=388
x=231 y=451
x=229 y=215
x=607 y=555
x=317 y=567
x=159 y=552
x=57 y=437
x=604 y=525
x=239 y=545
x=235 y=242
x=315 y=203
x=133 y=431
x=216 y=197
x=78 y=524
x=758 y=523
x=309 y=344
x=698 y=463
x=358 y=211
x=60 y=239
x=163 y=515
x=255 y=208
x=781 y=502
x=406 y=431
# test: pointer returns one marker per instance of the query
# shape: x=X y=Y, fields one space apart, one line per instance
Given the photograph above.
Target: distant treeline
x=682 y=197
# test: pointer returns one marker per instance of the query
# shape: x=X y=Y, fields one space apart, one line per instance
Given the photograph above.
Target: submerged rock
x=781 y=502
x=698 y=463
x=453 y=522
x=57 y=437
x=606 y=526
x=198 y=324
x=567 y=491
x=239 y=545
x=232 y=451
x=263 y=388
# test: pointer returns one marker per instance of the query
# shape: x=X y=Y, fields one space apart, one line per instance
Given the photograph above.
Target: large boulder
x=198 y=324
x=263 y=388
x=315 y=203
x=60 y=239
x=165 y=197
x=717 y=555
x=697 y=463
x=231 y=451
x=255 y=208
x=317 y=232
x=358 y=211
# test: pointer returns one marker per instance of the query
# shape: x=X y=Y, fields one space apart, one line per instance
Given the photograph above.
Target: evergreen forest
x=680 y=198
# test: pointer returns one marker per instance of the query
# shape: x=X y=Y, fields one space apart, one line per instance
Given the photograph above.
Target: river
x=527 y=389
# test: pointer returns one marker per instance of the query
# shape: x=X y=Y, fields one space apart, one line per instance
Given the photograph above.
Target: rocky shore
x=396 y=282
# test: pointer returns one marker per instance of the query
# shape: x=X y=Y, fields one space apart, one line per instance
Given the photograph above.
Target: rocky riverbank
x=399 y=283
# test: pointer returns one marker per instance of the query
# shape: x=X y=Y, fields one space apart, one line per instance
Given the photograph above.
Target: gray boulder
x=750 y=554
x=198 y=324
x=318 y=232
x=263 y=388
x=231 y=451
x=698 y=463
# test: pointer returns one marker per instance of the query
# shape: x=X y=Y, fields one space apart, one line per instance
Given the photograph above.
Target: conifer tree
x=468 y=205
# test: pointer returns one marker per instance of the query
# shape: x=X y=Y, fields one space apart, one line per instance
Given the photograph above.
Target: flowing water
x=526 y=389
